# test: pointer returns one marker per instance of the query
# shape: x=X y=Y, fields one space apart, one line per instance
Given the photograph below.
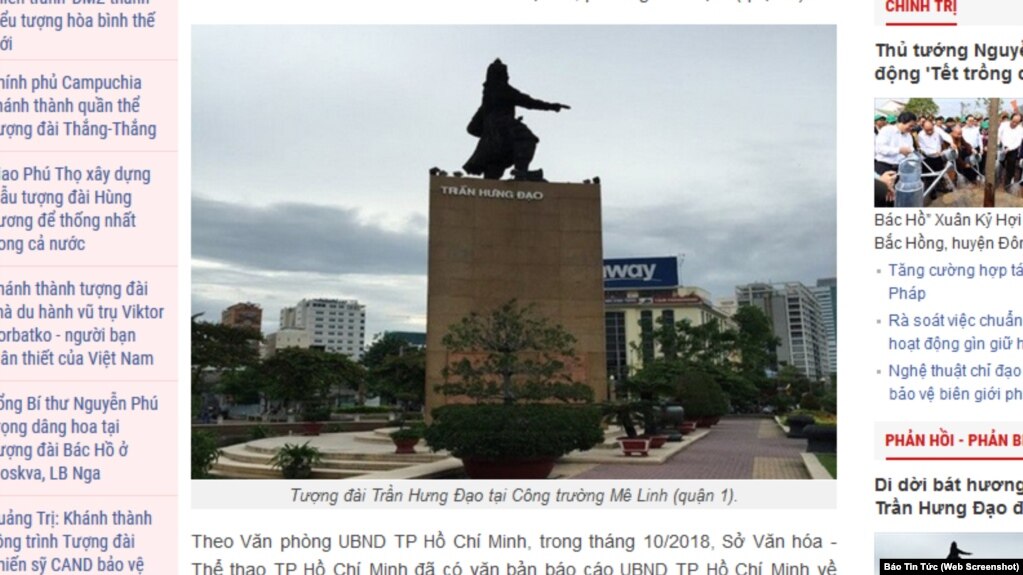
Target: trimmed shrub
x=364 y=409
x=520 y=431
x=702 y=396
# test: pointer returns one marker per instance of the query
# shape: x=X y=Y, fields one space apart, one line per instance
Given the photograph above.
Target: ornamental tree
x=511 y=354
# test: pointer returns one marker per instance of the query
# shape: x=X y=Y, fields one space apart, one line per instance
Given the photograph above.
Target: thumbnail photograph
x=950 y=552
x=947 y=153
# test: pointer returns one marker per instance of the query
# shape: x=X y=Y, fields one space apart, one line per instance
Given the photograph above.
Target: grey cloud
x=303 y=237
x=769 y=240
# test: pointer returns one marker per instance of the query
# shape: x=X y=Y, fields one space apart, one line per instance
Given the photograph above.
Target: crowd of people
x=930 y=138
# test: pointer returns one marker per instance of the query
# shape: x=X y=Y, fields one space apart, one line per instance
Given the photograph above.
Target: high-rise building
x=333 y=325
x=826 y=292
x=795 y=317
x=243 y=315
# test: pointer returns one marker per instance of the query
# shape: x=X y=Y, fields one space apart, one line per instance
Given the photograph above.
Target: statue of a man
x=504 y=139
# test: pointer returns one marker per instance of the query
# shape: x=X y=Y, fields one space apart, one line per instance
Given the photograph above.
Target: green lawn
x=830 y=462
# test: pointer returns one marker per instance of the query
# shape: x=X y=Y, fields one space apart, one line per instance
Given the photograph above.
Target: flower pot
x=635 y=446
x=296 y=461
x=672 y=415
x=508 y=468
x=821 y=438
x=405 y=445
x=797 y=423
x=657 y=441
x=297 y=472
x=687 y=427
x=312 y=428
x=704 y=422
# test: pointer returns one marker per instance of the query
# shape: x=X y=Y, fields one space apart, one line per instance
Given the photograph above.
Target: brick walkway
x=739 y=448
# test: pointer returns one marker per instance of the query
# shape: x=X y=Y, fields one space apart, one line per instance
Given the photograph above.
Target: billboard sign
x=640 y=273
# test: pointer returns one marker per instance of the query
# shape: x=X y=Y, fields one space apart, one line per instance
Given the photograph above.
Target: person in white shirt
x=1003 y=122
x=893 y=143
x=971 y=132
x=1009 y=139
x=931 y=141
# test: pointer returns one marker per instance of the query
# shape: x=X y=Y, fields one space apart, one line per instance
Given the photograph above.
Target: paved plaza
x=736 y=448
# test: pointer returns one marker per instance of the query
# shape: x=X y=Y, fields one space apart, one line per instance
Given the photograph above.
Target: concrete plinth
x=536 y=242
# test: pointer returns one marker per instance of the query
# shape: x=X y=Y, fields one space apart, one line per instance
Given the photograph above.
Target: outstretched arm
x=526 y=101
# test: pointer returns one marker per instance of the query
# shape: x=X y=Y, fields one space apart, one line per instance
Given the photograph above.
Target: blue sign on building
x=641 y=273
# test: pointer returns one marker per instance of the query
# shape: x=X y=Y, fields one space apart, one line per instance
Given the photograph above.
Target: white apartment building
x=286 y=337
x=796 y=320
x=336 y=326
x=826 y=292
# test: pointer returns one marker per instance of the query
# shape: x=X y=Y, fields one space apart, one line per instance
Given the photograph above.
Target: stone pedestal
x=538 y=243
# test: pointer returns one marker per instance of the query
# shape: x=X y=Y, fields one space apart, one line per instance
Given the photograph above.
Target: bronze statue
x=504 y=140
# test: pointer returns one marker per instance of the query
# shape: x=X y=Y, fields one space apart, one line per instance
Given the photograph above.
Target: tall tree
x=222 y=347
x=755 y=340
x=307 y=376
x=757 y=347
x=922 y=107
x=385 y=346
x=395 y=370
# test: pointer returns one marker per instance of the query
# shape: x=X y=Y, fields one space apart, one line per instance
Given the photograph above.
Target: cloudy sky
x=312 y=145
